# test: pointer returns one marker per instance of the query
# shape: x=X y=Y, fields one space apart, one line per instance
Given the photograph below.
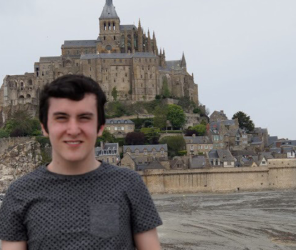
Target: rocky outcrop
x=17 y=161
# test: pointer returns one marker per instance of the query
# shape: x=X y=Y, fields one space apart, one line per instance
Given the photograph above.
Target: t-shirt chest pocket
x=104 y=220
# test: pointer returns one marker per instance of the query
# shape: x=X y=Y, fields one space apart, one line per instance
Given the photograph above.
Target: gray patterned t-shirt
x=101 y=209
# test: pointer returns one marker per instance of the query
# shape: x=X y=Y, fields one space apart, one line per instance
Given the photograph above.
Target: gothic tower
x=109 y=38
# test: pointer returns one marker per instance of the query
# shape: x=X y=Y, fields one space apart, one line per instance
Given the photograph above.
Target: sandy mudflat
x=236 y=221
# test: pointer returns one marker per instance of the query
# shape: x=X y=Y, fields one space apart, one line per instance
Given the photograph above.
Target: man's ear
x=101 y=130
x=44 y=131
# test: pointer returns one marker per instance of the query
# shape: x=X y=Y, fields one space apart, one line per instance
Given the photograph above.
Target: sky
x=242 y=52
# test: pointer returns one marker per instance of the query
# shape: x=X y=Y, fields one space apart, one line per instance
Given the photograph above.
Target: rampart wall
x=221 y=179
x=6 y=143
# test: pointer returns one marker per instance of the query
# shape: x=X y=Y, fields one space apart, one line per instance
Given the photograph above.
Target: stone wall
x=7 y=143
x=18 y=160
x=220 y=179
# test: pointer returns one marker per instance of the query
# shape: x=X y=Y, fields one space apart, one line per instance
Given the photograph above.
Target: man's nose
x=73 y=127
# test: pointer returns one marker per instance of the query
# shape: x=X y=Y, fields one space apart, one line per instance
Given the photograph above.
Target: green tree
x=3 y=133
x=22 y=124
x=106 y=137
x=200 y=129
x=176 y=116
x=175 y=144
x=135 y=138
x=165 y=87
x=196 y=111
x=244 y=121
x=151 y=135
x=160 y=117
x=114 y=93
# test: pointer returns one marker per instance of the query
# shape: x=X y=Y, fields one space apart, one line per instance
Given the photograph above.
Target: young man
x=77 y=202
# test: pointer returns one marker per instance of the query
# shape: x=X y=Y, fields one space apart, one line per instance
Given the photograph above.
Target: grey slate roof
x=151 y=165
x=118 y=55
x=50 y=58
x=243 y=153
x=275 y=150
x=108 y=148
x=79 y=43
x=149 y=148
x=225 y=155
x=272 y=140
x=118 y=121
x=128 y=27
x=198 y=139
x=198 y=162
x=109 y=11
x=222 y=154
x=256 y=140
x=287 y=150
x=174 y=65
x=267 y=155
x=289 y=143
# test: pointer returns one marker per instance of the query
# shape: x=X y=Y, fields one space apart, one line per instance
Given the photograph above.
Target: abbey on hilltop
x=122 y=58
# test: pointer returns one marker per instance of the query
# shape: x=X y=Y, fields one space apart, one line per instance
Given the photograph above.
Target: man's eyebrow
x=86 y=114
x=60 y=113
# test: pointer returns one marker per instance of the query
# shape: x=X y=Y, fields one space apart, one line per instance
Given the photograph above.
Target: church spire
x=109 y=11
x=139 y=25
x=183 y=61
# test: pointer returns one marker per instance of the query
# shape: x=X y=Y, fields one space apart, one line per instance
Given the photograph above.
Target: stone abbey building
x=123 y=57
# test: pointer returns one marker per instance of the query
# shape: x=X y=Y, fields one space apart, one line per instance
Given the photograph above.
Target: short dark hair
x=73 y=87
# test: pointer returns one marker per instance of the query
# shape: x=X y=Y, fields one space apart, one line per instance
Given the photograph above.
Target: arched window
x=28 y=96
x=21 y=97
x=105 y=26
x=109 y=26
x=30 y=82
x=108 y=47
x=114 y=27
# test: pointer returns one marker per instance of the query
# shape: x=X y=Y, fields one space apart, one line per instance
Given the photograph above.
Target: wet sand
x=236 y=221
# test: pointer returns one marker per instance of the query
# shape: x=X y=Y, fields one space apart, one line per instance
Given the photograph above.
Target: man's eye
x=85 y=118
x=61 y=118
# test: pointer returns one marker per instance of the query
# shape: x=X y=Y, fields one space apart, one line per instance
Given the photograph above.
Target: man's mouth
x=73 y=142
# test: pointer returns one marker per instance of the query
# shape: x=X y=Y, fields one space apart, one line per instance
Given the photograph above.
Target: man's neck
x=73 y=168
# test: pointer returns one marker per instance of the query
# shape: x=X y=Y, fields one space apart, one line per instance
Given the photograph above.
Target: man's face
x=72 y=129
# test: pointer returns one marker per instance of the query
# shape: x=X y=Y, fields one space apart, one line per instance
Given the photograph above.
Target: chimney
x=222 y=111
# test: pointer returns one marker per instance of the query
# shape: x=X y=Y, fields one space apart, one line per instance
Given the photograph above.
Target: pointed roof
x=109 y=11
x=183 y=61
x=139 y=25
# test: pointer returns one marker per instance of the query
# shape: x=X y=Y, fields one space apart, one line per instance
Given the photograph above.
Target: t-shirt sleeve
x=11 y=218
x=144 y=215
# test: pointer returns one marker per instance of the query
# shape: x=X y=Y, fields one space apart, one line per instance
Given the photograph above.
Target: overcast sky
x=242 y=52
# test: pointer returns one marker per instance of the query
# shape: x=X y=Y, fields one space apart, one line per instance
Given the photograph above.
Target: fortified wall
x=19 y=156
x=280 y=174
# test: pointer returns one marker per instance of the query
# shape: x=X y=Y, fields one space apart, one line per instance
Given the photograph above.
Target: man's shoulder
x=121 y=171
x=26 y=180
